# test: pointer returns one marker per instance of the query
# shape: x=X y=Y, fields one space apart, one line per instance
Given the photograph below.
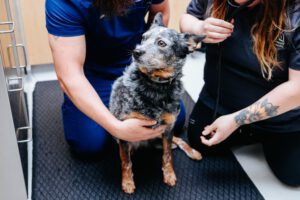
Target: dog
x=150 y=89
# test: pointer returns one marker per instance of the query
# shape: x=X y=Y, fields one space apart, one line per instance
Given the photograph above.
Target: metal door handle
x=10 y=30
x=19 y=79
x=24 y=55
x=29 y=134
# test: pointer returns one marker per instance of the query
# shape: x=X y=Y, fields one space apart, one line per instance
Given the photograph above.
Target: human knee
x=89 y=147
x=288 y=176
x=90 y=142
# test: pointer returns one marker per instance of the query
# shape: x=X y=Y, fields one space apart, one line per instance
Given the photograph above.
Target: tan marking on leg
x=190 y=152
x=168 y=118
x=128 y=185
x=168 y=171
x=135 y=115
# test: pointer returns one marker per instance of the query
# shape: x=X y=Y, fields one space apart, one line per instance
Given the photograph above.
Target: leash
x=228 y=18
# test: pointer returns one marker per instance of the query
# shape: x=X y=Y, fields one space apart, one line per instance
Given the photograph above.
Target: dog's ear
x=158 y=20
x=192 y=41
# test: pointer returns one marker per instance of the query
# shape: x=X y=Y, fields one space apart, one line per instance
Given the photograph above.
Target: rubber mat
x=60 y=175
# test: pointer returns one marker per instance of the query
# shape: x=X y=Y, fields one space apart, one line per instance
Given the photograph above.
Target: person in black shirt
x=258 y=87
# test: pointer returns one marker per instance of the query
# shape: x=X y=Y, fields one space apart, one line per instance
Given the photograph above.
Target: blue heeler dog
x=151 y=89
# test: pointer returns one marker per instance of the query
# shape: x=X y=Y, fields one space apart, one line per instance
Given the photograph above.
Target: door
x=15 y=132
x=12 y=185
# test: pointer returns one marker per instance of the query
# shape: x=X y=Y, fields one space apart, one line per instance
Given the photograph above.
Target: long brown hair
x=270 y=22
x=113 y=7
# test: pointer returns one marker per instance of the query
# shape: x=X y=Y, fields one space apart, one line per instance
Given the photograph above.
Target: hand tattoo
x=256 y=112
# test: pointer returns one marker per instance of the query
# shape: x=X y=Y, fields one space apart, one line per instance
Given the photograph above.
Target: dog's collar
x=158 y=80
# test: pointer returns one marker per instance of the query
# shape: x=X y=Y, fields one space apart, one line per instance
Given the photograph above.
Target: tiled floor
x=250 y=157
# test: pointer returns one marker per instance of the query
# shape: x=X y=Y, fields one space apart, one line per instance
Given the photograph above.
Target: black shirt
x=242 y=82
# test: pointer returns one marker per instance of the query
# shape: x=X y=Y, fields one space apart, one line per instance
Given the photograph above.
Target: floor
x=250 y=157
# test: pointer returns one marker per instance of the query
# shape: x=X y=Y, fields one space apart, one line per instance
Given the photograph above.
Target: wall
x=178 y=7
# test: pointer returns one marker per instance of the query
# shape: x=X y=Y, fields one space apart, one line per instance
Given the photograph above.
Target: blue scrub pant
x=83 y=134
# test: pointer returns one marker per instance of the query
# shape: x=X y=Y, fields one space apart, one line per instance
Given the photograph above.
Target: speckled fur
x=136 y=92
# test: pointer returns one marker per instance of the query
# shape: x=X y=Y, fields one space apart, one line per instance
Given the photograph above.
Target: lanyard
x=228 y=18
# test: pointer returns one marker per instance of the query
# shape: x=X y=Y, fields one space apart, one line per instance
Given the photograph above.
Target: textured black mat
x=58 y=174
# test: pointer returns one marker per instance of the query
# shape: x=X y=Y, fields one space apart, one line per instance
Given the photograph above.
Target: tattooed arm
x=258 y=111
x=283 y=98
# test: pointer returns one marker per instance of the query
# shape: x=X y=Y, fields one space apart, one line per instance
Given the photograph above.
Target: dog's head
x=162 y=52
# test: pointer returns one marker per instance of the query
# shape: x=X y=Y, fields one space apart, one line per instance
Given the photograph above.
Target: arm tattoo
x=256 y=112
x=56 y=37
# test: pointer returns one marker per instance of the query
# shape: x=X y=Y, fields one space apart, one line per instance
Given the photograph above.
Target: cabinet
x=13 y=109
x=12 y=185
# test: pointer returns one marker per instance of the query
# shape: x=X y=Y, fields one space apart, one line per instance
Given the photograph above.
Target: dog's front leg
x=128 y=185
x=167 y=161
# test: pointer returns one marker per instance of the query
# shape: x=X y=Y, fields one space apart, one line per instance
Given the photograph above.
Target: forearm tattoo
x=256 y=112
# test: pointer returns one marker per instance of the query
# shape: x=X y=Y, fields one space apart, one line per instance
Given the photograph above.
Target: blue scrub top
x=109 y=40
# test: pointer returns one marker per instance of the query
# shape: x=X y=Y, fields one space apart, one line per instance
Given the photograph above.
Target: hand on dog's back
x=135 y=130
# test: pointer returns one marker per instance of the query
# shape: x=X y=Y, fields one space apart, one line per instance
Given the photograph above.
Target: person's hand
x=219 y=130
x=134 y=130
x=215 y=30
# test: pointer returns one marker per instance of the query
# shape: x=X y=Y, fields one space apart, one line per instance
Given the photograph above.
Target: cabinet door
x=12 y=48
x=6 y=27
x=12 y=185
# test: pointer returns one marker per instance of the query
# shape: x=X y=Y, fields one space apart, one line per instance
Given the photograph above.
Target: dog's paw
x=170 y=179
x=128 y=186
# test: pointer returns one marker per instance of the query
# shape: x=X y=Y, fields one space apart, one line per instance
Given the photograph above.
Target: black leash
x=228 y=18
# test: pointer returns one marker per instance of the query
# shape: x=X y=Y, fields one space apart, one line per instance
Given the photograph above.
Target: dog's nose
x=138 y=53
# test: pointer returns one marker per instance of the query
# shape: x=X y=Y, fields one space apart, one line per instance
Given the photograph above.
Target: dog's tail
x=189 y=151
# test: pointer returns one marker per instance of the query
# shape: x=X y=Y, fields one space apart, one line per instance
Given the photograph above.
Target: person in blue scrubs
x=91 y=41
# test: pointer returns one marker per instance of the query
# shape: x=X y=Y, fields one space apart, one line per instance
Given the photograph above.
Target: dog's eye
x=161 y=43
